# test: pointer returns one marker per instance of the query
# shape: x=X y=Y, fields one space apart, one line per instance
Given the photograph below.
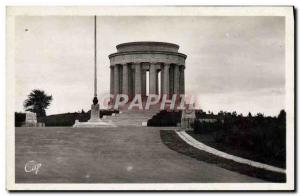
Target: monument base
x=95 y=120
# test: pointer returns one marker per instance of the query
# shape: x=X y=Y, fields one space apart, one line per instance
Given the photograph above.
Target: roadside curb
x=201 y=146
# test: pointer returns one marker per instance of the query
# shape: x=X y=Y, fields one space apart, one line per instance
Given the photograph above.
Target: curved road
x=109 y=155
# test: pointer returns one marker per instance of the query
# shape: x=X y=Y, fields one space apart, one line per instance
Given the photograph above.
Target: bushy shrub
x=165 y=119
x=19 y=119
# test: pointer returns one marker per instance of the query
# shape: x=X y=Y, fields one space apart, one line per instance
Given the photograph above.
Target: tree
x=260 y=115
x=282 y=115
x=234 y=114
x=37 y=102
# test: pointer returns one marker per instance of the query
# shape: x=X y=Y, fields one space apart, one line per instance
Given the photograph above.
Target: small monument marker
x=30 y=119
x=187 y=118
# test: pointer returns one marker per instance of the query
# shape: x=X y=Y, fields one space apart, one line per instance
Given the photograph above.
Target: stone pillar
x=138 y=77
x=125 y=79
x=156 y=73
x=181 y=78
x=120 y=79
x=144 y=82
x=95 y=111
x=131 y=81
x=152 y=79
x=162 y=80
x=166 y=88
x=171 y=79
x=116 y=80
x=176 y=79
x=111 y=80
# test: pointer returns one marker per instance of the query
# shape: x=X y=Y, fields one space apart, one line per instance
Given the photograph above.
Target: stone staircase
x=132 y=117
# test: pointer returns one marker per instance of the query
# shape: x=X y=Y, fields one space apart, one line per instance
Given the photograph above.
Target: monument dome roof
x=147 y=46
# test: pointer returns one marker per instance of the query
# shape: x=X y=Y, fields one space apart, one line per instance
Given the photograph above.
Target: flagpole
x=95 y=100
x=95 y=81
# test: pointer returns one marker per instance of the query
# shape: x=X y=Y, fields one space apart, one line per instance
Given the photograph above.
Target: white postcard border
x=286 y=11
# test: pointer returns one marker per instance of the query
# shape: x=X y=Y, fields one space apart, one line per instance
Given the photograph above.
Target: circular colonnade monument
x=130 y=64
x=131 y=67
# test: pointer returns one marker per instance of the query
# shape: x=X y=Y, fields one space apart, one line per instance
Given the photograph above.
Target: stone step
x=135 y=116
x=131 y=118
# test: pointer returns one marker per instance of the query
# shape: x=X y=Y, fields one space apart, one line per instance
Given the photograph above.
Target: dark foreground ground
x=110 y=155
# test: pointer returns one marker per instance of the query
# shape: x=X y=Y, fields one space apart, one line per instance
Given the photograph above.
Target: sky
x=233 y=63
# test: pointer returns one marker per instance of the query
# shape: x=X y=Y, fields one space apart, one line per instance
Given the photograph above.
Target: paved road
x=111 y=155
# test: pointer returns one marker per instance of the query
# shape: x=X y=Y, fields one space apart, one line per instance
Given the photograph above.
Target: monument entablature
x=147 y=56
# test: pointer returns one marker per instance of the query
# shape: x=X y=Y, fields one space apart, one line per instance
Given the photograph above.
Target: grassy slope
x=248 y=154
x=174 y=142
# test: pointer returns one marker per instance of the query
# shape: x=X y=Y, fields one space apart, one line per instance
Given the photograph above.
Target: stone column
x=166 y=88
x=125 y=79
x=176 y=79
x=131 y=81
x=111 y=80
x=162 y=80
x=156 y=73
x=116 y=80
x=144 y=82
x=138 y=77
x=152 y=79
x=181 y=78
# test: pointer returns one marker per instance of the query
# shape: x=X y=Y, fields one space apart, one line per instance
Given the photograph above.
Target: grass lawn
x=208 y=139
x=174 y=142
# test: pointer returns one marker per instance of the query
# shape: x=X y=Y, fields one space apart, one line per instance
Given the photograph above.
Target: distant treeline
x=261 y=134
x=62 y=120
